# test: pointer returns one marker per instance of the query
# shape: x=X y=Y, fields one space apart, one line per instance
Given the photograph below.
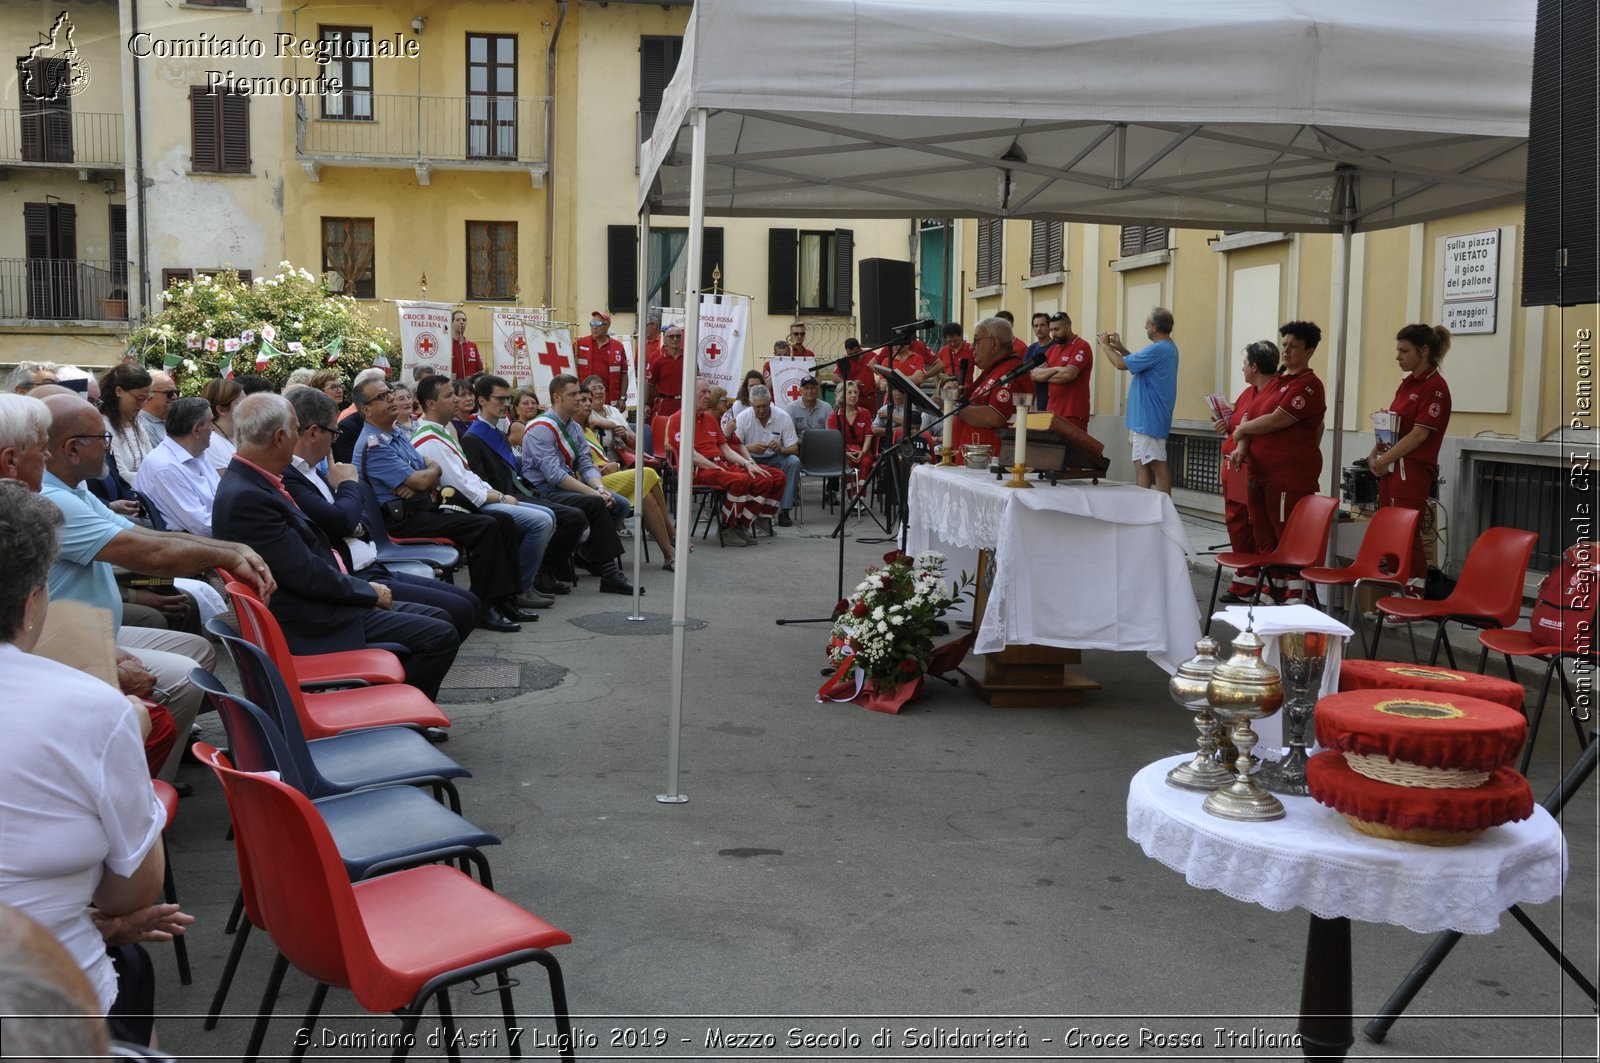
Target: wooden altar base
x=1021 y=677
x=1027 y=677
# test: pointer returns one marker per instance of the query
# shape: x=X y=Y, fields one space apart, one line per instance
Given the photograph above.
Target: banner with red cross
x=724 y=320
x=512 y=358
x=550 y=354
x=786 y=376
x=424 y=337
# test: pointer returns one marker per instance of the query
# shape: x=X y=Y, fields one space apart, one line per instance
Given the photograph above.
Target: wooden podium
x=1021 y=676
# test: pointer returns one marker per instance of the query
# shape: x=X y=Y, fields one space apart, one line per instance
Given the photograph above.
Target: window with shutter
x=234 y=133
x=348 y=250
x=491 y=259
x=45 y=109
x=622 y=268
x=353 y=68
x=658 y=58
x=1140 y=239
x=117 y=220
x=844 y=270
x=50 y=242
x=1044 y=248
x=991 y=241
x=219 y=130
x=782 y=275
x=666 y=265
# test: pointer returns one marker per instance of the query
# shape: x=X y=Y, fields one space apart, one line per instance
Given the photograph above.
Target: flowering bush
x=212 y=326
x=889 y=622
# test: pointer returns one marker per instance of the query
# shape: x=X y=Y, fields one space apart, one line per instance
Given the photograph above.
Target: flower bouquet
x=885 y=631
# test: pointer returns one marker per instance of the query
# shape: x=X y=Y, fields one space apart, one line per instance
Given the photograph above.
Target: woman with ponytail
x=1408 y=468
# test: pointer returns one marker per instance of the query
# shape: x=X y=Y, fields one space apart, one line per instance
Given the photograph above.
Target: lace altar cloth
x=1313 y=859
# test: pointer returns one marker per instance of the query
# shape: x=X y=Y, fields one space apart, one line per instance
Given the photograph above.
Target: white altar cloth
x=1077 y=566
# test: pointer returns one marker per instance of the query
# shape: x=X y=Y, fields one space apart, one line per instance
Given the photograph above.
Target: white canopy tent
x=1239 y=114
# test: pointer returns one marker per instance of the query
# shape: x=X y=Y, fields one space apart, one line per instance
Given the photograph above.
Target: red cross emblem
x=712 y=349
x=1433 y=411
x=426 y=343
x=1003 y=395
x=792 y=391
x=1298 y=401
x=552 y=359
x=519 y=342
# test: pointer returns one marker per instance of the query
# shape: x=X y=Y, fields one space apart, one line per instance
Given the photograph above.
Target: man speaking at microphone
x=991 y=398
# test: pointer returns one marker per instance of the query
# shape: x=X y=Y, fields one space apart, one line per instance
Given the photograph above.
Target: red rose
x=892 y=556
x=860 y=609
x=908 y=666
x=841 y=607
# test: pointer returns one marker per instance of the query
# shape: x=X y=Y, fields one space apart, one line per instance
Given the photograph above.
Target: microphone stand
x=884 y=460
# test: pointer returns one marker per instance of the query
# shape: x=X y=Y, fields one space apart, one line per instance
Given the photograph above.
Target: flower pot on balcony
x=113 y=309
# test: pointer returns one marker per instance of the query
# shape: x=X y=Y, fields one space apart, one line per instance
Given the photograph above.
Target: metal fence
x=63 y=289
x=1196 y=461
x=457 y=128
x=1538 y=498
x=69 y=138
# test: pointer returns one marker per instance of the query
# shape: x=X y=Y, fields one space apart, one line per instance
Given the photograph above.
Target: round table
x=1313 y=859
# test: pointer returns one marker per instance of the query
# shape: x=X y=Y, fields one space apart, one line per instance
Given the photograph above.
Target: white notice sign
x=1472 y=266
x=1464 y=319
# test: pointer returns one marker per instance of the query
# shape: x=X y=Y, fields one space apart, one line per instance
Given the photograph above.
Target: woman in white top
x=124 y=389
x=79 y=851
x=222 y=394
x=741 y=403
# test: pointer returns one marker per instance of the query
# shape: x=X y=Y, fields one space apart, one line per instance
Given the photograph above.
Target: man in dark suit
x=321 y=606
x=337 y=505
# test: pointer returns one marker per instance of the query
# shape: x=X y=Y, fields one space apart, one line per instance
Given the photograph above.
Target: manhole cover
x=619 y=624
x=473 y=679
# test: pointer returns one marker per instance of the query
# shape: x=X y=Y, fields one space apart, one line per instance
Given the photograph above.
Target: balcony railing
x=63 y=289
x=77 y=138
x=422 y=129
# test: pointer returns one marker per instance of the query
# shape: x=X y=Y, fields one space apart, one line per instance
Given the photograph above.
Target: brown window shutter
x=711 y=251
x=990 y=251
x=1132 y=239
x=169 y=277
x=204 y=154
x=783 y=248
x=622 y=268
x=844 y=270
x=235 y=133
x=66 y=231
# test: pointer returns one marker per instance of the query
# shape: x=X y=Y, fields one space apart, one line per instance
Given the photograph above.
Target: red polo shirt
x=1070 y=401
x=1423 y=403
x=608 y=361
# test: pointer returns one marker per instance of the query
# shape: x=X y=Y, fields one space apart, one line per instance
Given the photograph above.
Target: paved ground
x=836 y=871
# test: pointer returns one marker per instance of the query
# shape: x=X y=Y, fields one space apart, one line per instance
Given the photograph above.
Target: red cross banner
x=512 y=357
x=424 y=338
x=786 y=376
x=550 y=353
x=724 y=320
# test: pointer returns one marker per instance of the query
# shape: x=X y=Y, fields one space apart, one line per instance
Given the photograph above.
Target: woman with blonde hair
x=1408 y=468
x=222 y=393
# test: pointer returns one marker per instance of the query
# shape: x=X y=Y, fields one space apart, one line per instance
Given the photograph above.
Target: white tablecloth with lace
x=1077 y=566
x=1313 y=859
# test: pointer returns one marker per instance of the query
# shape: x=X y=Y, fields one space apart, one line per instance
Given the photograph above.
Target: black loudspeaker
x=888 y=299
x=1560 y=252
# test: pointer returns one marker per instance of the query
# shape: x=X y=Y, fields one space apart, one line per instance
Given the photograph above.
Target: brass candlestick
x=1244 y=688
x=1303 y=655
x=1188 y=689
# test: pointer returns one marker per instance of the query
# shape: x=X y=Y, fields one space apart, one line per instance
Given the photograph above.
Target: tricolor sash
x=427 y=431
x=495 y=440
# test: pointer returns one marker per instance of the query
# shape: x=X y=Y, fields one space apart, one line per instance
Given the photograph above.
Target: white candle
x=1022 y=432
x=949 y=435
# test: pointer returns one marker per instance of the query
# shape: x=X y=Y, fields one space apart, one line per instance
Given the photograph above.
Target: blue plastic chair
x=376 y=831
x=409 y=552
x=353 y=760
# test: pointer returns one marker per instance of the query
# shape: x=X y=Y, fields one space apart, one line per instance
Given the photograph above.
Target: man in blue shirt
x=556 y=461
x=405 y=483
x=1151 y=396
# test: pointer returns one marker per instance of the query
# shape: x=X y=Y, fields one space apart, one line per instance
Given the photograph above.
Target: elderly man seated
x=768 y=434
x=321 y=606
x=29 y=375
x=175 y=477
x=94 y=538
x=809 y=411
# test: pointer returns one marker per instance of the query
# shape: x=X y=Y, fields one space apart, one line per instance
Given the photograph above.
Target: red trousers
x=1241 y=539
x=1270 y=506
x=749 y=495
x=1412 y=491
x=163 y=736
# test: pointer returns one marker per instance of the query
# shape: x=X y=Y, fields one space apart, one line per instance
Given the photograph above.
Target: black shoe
x=532 y=600
x=1231 y=598
x=617 y=584
x=437 y=735
x=545 y=583
x=495 y=620
x=784 y=520
x=515 y=613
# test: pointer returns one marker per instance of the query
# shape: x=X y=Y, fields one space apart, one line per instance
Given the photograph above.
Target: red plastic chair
x=1384 y=557
x=365 y=936
x=1514 y=642
x=342 y=668
x=1304 y=542
x=168 y=796
x=1488 y=594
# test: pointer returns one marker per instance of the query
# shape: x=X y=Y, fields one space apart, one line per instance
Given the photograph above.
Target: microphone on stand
x=916 y=326
x=1029 y=365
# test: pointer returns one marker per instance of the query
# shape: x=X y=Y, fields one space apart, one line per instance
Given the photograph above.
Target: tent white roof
x=1240 y=114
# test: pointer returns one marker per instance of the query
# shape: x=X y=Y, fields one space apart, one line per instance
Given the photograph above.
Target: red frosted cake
x=1418 y=765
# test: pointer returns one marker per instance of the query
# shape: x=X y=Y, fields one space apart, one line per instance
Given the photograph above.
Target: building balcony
x=63 y=289
x=61 y=140
x=424 y=133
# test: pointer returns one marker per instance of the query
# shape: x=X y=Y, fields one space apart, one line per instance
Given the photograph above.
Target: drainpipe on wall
x=550 y=157
x=138 y=174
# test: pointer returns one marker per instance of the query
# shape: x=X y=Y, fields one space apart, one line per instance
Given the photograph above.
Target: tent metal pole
x=691 y=359
x=642 y=264
x=1342 y=325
